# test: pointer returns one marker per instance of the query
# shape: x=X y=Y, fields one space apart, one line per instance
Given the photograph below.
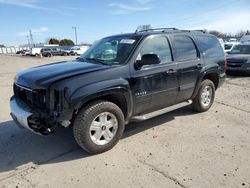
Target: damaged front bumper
x=25 y=118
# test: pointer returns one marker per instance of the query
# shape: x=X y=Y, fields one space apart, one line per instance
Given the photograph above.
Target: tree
x=217 y=34
x=66 y=42
x=239 y=34
x=2 y=46
x=53 y=41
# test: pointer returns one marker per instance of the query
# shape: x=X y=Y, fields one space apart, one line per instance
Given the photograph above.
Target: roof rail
x=156 y=29
x=200 y=30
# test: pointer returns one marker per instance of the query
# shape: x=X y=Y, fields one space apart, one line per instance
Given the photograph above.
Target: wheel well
x=117 y=99
x=214 y=77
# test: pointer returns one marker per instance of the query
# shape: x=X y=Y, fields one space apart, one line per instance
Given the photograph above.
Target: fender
x=207 y=69
x=100 y=89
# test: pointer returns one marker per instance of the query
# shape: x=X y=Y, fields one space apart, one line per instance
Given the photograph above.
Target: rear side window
x=210 y=46
x=184 y=48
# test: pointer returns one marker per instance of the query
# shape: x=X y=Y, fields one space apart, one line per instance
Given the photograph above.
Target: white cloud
x=35 y=31
x=34 y=4
x=229 y=22
x=126 y=9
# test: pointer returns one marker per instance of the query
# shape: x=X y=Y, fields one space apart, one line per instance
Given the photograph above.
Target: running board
x=161 y=111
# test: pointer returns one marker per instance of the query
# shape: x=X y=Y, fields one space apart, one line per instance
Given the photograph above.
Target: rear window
x=210 y=46
x=228 y=46
x=184 y=48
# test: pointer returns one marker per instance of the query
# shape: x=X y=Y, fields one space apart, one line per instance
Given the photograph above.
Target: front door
x=154 y=86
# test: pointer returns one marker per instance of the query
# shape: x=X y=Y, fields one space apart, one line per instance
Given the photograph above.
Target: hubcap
x=206 y=96
x=103 y=128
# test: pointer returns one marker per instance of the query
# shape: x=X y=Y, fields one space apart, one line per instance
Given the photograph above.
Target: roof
x=147 y=32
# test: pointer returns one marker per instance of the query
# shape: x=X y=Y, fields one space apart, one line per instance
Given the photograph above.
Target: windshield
x=241 y=49
x=111 y=50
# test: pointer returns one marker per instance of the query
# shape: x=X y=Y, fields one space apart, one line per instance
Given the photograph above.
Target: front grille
x=33 y=98
x=234 y=63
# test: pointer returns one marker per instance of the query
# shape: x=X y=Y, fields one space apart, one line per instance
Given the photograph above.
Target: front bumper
x=20 y=114
x=239 y=69
x=25 y=118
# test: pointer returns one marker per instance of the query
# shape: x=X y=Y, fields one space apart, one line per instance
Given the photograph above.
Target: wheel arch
x=210 y=75
x=118 y=96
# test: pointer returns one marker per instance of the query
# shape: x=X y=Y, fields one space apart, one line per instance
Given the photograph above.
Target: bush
x=66 y=42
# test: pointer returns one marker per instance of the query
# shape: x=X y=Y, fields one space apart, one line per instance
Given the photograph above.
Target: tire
x=49 y=55
x=90 y=129
x=205 y=96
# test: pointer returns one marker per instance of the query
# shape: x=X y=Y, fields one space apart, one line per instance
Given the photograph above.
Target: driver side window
x=160 y=47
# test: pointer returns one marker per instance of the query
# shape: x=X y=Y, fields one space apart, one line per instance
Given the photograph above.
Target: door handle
x=171 y=71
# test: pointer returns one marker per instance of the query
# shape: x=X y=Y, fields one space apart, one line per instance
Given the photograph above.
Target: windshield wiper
x=97 y=60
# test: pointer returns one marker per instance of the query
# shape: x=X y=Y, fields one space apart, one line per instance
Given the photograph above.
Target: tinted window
x=241 y=49
x=158 y=46
x=210 y=46
x=184 y=48
x=228 y=46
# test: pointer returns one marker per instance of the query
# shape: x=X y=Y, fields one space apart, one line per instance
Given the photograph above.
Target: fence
x=12 y=50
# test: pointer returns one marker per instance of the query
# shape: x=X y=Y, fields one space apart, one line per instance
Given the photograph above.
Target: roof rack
x=156 y=29
x=167 y=29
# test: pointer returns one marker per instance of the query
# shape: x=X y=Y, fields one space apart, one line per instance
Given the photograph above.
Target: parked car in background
x=48 y=52
x=238 y=58
x=245 y=39
x=35 y=51
x=23 y=52
x=228 y=46
x=120 y=79
x=78 y=50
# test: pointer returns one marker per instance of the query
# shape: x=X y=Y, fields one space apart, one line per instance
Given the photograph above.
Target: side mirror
x=148 y=59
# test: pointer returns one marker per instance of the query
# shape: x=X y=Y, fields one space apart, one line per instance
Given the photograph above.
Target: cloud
x=228 y=22
x=34 y=4
x=126 y=9
x=74 y=8
x=36 y=31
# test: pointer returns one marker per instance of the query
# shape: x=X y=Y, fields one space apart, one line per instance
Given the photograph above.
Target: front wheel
x=205 y=96
x=98 y=126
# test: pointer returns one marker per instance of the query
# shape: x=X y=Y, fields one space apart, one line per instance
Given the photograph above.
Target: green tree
x=66 y=42
x=53 y=41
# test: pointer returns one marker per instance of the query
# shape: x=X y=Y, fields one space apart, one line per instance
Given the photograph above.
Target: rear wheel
x=205 y=96
x=99 y=126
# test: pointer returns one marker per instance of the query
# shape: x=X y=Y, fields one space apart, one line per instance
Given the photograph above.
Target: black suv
x=122 y=78
x=49 y=52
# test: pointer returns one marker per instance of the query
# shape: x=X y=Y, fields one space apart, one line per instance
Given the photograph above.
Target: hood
x=43 y=76
x=238 y=57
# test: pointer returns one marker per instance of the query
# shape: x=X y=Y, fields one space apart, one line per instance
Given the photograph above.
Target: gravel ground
x=178 y=149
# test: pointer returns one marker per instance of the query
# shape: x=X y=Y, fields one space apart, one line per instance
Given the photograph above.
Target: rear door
x=154 y=86
x=189 y=65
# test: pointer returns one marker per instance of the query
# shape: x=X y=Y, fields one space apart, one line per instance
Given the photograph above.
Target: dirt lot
x=178 y=149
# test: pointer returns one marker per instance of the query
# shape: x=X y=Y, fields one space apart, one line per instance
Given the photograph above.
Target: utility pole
x=28 y=40
x=75 y=34
x=31 y=38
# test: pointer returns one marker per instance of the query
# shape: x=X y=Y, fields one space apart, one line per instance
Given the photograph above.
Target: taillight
x=225 y=65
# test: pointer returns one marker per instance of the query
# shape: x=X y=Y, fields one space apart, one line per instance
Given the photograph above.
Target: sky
x=95 y=19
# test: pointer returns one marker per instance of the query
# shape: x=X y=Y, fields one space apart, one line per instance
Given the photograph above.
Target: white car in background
x=78 y=50
x=229 y=46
